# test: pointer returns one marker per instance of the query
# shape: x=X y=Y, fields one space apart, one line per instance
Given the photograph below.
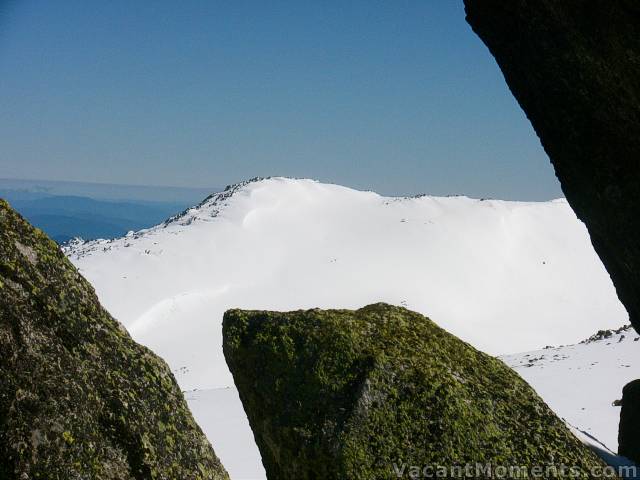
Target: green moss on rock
x=339 y=394
x=79 y=399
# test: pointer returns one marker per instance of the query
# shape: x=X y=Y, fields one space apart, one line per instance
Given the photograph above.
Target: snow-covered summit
x=211 y=205
x=505 y=276
x=206 y=210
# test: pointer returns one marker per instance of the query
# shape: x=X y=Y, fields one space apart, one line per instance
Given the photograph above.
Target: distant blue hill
x=104 y=191
x=64 y=217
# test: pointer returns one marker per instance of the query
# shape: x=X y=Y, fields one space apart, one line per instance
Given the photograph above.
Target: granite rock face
x=629 y=432
x=340 y=394
x=79 y=399
x=574 y=67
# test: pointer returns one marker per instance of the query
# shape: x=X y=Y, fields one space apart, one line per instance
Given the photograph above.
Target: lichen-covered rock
x=340 y=394
x=574 y=67
x=629 y=431
x=79 y=399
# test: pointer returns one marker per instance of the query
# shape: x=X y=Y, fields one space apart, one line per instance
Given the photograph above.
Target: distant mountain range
x=65 y=210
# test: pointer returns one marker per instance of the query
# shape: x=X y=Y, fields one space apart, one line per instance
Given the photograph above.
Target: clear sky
x=396 y=96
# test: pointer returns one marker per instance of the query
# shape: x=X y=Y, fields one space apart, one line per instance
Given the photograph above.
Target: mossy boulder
x=340 y=394
x=79 y=399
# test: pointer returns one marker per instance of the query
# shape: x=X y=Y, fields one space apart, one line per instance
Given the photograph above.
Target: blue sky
x=399 y=97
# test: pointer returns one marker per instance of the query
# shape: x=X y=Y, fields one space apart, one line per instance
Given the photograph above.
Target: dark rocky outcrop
x=574 y=67
x=339 y=394
x=629 y=432
x=79 y=399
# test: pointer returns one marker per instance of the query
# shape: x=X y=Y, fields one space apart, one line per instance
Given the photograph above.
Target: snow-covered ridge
x=205 y=210
x=524 y=271
x=504 y=276
x=210 y=208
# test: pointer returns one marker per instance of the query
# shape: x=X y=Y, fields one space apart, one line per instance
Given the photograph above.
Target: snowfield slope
x=582 y=382
x=503 y=276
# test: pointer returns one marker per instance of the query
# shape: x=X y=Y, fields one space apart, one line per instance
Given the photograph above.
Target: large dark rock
x=574 y=67
x=79 y=399
x=629 y=432
x=339 y=394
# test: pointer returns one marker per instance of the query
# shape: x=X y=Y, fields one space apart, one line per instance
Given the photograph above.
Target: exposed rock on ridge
x=574 y=67
x=339 y=394
x=79 y=399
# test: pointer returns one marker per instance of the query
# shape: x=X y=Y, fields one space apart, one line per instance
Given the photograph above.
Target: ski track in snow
x=503 y=276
